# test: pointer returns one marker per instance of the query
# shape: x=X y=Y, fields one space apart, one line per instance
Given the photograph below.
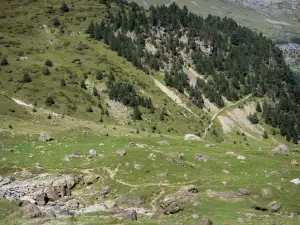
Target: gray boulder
x=51 y=193
x=281 y=149
x=30 y=211
x=191 y=137
x=93 y=153
x=45 y=137
x=90 y=178
x=175 y=202
x=121 y=152
x=275 y=206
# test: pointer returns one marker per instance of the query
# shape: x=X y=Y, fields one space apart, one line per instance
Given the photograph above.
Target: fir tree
x=265 y=135
x=137 y=115
x=3 y=61
x=46 y=71
x=64 y=8
x=63 y=82
x=26 y=78
x=258 y=108
x=48 y=63
x=49 y=100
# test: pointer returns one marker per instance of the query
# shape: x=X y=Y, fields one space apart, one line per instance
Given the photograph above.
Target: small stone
x=241 y=157
x=93 y=153
x=275 y=206
x=195 y=216
x=121 y=152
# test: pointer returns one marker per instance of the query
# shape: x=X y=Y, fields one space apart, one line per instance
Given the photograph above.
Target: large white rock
x=191 y=137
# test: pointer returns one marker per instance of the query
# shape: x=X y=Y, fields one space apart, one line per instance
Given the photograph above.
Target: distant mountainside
x=270 y=6
x=277 y=19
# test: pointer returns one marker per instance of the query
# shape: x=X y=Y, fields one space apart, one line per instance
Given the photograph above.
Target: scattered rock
x=105 y=191
x=26 y=198
x=31 y=211
x=195 y=216
x=206 y=222
x=176 y=155
x=241 y=157
x=76 y=154
x=73 y=204
x=134 y=215
x=175 y=202
x=209 y=145
x=281 y=149
x=251 y=216
x=131 y=201
x=45 y=137
x=121 y=152
x=51 y=193
x=200 y=157
x=110 y=204
x=191 y=137
x=141 y=145
x=25 y=174
x=274 y=206
x=93 y=153
x=294 y=162
x=66 y=158
x=164 y=142
x=230 y=196
x=266 y=192
x=90 y=178
x=244 y=191
x=295 y=181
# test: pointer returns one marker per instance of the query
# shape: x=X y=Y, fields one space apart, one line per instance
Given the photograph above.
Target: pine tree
x=99 y=75
x=49 y=100
x=91 y=29
x=64 y=7
x=3 y=61
x=82 y=84
x=95 y=92
x=137 y=115
x=258 y=108
x=63 y=82
x=26 y=78
x=49 y=117
x=46 y=71
x=265 y=135
x=48 y=63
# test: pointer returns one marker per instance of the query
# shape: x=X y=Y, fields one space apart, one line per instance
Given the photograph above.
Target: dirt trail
x=173 y=96
x=223 y=109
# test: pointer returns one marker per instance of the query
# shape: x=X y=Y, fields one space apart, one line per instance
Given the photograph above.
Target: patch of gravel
x=119 y=111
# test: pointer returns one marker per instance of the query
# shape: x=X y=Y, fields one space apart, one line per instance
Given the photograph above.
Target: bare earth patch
x=119 y=111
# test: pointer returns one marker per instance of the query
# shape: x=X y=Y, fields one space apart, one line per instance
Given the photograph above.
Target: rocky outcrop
x=175 y=202
x=45 y=137
x=90 y=178
x=121 y=152
x=281 y=149
x=275 y=206
x=191 y=137
x=31 y=211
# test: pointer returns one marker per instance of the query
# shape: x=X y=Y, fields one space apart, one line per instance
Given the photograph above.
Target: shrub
x=89 y=109
x=46 y=71
x=49 y=117
x=10 y=126
x=99 y=75
x=49 y=100
x=265 y=135
x=253 y=118
x=48 y=63
x=137 y=115
x=56 y=22
x=64 y=8
x=34 y=110
x=63 y=82
x=95 y=92
x=101 y=120
x=26 y=78
x=82 y=84
x=3 y=61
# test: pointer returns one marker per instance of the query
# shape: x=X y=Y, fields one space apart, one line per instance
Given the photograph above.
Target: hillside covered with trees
x=235 y=60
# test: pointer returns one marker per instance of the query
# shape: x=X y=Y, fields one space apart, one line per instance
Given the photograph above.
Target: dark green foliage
x=56 y=22
x=137 y=115
x=253 y=118
x=3 y=61
x=265 y=135
x=49 y=100
x=99 y=75
x=26 y=78
x=82 y=84
x=90 y=30
x=258 y=107
x=49 y=117
x=63 y=82
x=64 y=8
x=95 y=92
x=34 y=110
x=240 y=62
x=101 y=119
x=48 y=63
x=178 y=80
x=10 y=126
x=46 y=71
x=125 y=93
x=89 y=109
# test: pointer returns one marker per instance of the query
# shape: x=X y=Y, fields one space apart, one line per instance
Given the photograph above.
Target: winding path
x=223 y=109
